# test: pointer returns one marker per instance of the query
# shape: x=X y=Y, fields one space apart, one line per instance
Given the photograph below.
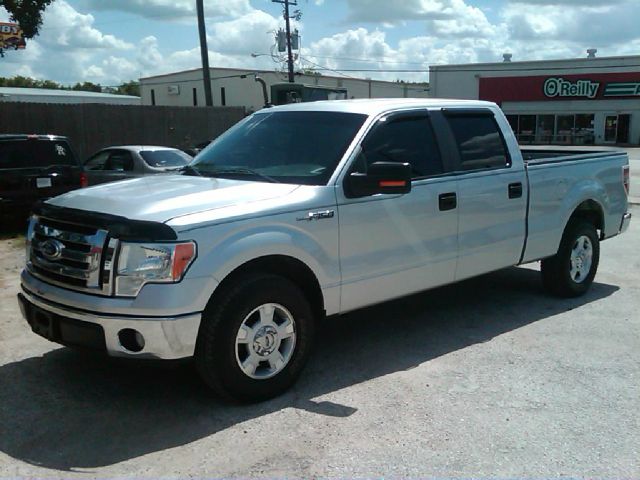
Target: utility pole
x=286 y=4
x=204 y=51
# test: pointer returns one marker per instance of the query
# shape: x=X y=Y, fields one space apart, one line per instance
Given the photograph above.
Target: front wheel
x=570 y=272
x=255 y=342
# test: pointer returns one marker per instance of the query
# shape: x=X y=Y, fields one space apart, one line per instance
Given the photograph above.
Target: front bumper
x=166 y=338
x=626 y=220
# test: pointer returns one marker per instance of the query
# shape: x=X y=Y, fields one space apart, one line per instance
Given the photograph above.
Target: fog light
x=131 y=340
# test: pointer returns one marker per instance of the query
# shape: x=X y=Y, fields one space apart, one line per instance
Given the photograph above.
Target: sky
x=113 y=41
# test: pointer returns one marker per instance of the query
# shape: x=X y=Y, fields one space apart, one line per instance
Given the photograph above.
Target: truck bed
x=539 y=155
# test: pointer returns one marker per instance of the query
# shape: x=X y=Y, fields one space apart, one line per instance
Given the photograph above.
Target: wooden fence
x=91 y=127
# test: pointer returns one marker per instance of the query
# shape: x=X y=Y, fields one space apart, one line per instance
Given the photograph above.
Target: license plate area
x=43 y=182
x=63 y=330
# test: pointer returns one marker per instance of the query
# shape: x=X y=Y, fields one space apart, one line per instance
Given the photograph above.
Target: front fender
x=224 y=248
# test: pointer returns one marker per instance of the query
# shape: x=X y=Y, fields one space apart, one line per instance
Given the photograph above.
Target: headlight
x=141 y=263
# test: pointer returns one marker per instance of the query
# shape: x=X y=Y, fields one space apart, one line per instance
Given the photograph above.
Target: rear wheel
x=570 y=272
x=254 y=343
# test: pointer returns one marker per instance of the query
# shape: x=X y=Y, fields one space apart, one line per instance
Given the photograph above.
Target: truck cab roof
x=377 y=106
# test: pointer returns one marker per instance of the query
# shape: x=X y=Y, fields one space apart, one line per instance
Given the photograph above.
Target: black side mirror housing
x=381 y=177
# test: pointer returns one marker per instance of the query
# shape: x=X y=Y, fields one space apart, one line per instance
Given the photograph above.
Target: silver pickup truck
x=304 y=211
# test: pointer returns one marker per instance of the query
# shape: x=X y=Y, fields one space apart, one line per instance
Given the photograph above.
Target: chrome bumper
x=166 y=338
x=626 y=220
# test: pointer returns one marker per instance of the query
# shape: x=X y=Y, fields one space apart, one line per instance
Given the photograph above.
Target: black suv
x=35 y=167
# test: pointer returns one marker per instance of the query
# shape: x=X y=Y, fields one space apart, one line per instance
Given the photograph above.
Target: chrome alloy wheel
x=581 y=259
x=265 y=341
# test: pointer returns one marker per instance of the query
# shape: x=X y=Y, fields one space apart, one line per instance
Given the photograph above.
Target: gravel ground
x=488 y=378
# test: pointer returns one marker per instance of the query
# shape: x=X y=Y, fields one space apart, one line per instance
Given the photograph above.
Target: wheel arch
x=285 y=266
x=591 y=211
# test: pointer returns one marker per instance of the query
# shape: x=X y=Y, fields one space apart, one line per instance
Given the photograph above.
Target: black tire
x=216 y=356
x=556 y=270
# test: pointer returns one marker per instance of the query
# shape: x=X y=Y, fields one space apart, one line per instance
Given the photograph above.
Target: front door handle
x=515 y=190
x=447 y=201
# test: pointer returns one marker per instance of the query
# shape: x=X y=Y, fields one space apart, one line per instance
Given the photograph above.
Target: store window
x=545 y=128
x=513 y=121
x=526 y=128
x=565 y=125
x=584 y=133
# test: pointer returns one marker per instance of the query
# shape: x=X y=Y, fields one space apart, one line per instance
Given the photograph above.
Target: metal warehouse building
x=237 y=87
x=41 y=95
x=577 y=101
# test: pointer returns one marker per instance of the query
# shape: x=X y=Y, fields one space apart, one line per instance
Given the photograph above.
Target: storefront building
x=572 y=102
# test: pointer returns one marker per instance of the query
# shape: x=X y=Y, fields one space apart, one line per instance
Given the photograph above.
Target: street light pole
x=204 y=51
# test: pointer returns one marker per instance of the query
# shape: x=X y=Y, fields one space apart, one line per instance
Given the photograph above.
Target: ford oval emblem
x=51 y=249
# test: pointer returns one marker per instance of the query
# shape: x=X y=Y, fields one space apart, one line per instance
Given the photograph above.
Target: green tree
x=27 y=13
x=87 y=87
x=129 y=88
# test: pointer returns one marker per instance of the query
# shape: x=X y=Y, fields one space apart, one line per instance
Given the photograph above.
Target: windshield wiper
x=240 y=171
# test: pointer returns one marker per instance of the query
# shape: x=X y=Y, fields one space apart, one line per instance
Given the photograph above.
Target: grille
x=73 y=256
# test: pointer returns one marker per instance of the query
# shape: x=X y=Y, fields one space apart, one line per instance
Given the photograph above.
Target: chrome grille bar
x=76 y=257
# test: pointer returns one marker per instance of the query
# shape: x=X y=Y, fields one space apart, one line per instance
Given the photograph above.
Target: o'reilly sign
x=559 y=87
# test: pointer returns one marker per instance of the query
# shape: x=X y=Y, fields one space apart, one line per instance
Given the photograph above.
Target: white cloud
x=245 y=35
x=173 y=9
x=66 y=28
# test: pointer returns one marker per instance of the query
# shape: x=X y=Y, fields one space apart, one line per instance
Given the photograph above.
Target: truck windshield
x=288 y=147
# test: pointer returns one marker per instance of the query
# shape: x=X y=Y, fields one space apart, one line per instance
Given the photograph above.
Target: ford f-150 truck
x=308 y=210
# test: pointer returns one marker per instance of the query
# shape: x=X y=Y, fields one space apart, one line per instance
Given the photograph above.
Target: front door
x=622 y=135
x=393 y=245
x=610 y=128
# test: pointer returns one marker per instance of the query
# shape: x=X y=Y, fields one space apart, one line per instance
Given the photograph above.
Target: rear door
x=109 y=166
x=491 y=194
x=393 y=245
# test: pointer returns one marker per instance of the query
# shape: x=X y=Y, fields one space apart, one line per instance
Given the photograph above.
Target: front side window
x=479 y=142
x=288 y=147
x=406 y=139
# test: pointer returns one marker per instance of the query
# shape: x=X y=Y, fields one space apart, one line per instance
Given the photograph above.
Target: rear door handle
x=515 y=190
x=447 y=201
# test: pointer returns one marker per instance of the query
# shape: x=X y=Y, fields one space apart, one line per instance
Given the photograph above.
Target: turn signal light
x=84 y=180
x=392 y=183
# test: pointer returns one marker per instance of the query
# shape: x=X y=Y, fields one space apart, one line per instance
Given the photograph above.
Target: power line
x=326 y=68
x=368 y=60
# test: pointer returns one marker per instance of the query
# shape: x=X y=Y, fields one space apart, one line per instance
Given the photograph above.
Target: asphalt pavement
x=488 y=378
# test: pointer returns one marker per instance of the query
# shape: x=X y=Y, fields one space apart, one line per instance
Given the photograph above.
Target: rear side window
x=407 y=139
x=165 y=158
x=35 y=154
x=120 y=161
x=479 y=141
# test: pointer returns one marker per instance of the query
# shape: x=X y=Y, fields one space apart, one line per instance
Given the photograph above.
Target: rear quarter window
x=479 y=141
x=165 y=158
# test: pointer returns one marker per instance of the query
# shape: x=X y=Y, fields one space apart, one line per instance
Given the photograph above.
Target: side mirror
x=381 y=177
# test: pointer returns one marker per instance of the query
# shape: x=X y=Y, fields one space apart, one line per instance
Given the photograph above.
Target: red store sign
x=588 y=86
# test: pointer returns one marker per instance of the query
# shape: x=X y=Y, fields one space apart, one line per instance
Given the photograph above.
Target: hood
x=159 y=198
